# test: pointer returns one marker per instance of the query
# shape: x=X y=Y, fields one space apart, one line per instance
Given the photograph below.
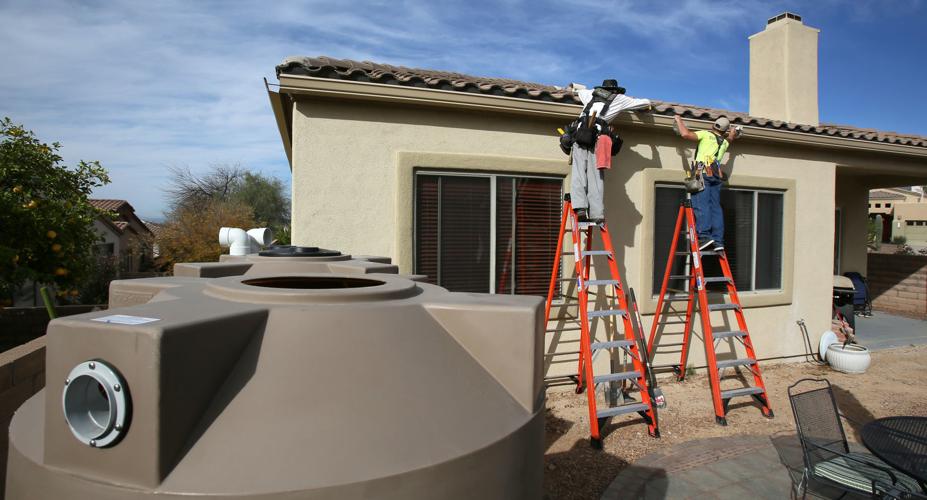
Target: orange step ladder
x=697 y=286
x=636 y=372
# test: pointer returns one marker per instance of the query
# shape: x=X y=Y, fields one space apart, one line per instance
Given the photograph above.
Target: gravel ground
x=893 y=385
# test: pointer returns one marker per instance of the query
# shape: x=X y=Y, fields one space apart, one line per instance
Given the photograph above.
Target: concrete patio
x=884 y=331
x=737 y=467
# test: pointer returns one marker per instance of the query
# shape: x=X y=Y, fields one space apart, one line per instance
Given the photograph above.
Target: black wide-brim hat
x=611 y=85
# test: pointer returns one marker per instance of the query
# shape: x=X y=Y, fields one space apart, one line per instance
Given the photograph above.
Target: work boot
x=706 y=245
x=582 y=215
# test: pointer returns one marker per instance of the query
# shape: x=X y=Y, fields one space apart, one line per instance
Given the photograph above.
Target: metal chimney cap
x=784 y=15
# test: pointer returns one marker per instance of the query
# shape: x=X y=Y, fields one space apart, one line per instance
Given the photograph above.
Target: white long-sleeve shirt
x=620 y=103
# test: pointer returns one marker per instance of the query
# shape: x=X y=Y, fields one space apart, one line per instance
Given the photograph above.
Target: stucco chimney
x=784 y=71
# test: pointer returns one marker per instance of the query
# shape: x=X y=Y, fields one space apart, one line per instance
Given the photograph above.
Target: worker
x=600 y=107
x=706 y=202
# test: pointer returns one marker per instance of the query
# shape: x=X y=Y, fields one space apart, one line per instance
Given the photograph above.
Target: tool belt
x=695 y=175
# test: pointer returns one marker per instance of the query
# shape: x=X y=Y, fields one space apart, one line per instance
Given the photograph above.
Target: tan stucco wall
x=851 y=199
x=784 y=72
x=352 y=191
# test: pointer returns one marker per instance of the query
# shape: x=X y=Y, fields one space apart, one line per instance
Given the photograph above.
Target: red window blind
x=454 y=232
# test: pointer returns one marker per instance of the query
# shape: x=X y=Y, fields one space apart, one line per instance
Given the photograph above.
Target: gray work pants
x=587 y=187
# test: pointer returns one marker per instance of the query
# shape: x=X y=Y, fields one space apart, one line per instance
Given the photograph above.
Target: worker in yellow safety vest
x=706 y=170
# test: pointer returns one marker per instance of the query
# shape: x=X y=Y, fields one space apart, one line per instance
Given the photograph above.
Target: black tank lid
x=295 y=251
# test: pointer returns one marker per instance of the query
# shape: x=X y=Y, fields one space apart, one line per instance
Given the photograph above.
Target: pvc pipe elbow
x=236 y=239
x=262 y=236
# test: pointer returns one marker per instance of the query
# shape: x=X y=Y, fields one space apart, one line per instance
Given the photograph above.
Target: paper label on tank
x=124 y=319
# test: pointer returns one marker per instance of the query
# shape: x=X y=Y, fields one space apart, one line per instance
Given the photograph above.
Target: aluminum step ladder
x=696 y=289
x=634 y=373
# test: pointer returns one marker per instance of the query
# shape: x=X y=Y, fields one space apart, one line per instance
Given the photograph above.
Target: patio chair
x=826 y=454
x=884 y=491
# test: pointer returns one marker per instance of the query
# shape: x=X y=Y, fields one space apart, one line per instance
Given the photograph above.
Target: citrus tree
x=46 y=222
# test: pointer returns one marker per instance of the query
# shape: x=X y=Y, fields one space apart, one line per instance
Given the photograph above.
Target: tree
x=266 y=196
x=45 y=217
x=191 y=233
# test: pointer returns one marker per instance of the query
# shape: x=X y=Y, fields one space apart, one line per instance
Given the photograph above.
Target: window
x=106 y=248
x=888 y=205
x=486 y=232
x=878 y=205
x=752 y=236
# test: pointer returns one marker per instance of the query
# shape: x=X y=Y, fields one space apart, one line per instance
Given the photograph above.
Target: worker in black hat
x=600 y=106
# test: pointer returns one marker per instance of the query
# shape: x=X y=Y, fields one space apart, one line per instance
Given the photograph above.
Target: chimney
x=784 y=71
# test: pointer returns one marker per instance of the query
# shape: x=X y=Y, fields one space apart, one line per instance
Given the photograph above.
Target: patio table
x=901 y=442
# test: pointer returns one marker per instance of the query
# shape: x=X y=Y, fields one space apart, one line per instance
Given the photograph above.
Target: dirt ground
x=895 y=384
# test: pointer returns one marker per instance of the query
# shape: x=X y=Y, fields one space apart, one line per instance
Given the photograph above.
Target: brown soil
x=895 y=384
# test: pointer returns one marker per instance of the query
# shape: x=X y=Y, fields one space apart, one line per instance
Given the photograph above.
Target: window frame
x=640 y=255
x=756 y=198
x=493 y=177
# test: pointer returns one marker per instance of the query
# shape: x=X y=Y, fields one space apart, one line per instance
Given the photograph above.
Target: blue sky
x=142 y=86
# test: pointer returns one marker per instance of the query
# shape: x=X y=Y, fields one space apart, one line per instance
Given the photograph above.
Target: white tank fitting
x=241 y=242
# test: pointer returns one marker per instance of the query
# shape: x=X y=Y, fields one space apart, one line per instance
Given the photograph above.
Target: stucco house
x=124 y=235
x=461 y=178
x=903 y=211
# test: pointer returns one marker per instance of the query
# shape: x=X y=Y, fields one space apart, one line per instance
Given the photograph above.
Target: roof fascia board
x=284 y=123
x=348 y=89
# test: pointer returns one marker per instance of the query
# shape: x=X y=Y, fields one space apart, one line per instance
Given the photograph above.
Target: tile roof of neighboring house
x=109 y=205
x=885 y=195
x=343 y=69
x=154 y=227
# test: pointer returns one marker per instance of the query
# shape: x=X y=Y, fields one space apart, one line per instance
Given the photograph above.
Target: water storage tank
x=279 y=259
x=298 y=386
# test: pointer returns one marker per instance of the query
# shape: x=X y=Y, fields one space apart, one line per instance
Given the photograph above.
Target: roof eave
x=297 y=85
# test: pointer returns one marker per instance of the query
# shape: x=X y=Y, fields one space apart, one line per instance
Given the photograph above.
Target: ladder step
x=587 y=225
x=597 y=252
x=706 y=252
x=723 y=307
x=680 y=276
x=727 y=363
x=621 y=410
x=717 y=279
x=677 y=298
x=606 y=312
x=742 y=391
x=724 y=335
x=602 y=282
x=611 y=377
x=612 y=344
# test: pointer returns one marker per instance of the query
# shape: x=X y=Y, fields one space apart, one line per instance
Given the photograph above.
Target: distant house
x=125 y=236
x=903 y=211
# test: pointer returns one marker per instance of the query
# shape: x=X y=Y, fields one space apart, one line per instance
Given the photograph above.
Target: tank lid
x=297 y=251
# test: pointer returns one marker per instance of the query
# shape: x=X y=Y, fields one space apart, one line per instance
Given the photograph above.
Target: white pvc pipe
x=240 y=242
x=237 y=240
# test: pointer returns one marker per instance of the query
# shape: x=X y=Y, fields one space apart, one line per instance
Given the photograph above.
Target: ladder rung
x=727 y=363
x=723 y=307
x=724 y=335
x=676 y=298
x=587 y=225
x=606 y=312
x=742 y=391
x=717 y=279
x=680 y=276
x=611 y=377
x=612 y=344
x=596 y=252
x=621 y=410
x=602 y=282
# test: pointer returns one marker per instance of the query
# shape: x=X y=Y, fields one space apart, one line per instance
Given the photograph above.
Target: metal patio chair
x=884 y=491
x=827 y=456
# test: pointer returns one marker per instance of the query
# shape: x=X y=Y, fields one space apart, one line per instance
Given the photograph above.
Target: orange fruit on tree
x=51 y=234
x=61 y=271
x=56 y=248
x=18 y=189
